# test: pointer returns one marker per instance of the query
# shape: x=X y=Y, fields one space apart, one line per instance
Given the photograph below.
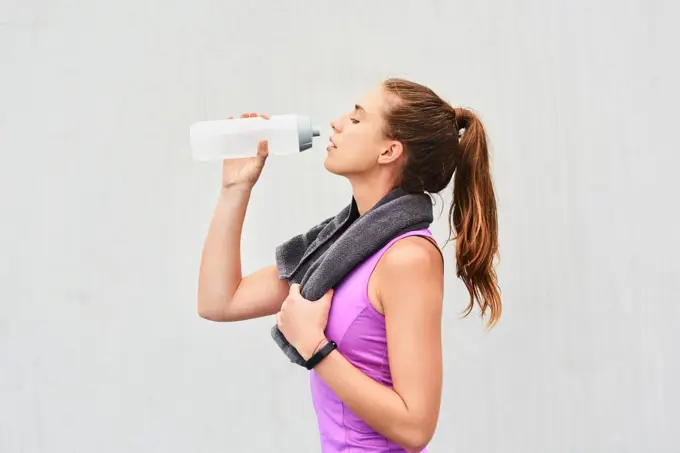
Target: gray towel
x=320 y=258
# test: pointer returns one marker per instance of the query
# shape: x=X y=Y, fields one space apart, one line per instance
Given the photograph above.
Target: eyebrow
x=359 y=108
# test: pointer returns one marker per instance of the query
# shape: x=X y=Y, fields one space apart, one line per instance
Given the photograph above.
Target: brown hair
x=440 y=143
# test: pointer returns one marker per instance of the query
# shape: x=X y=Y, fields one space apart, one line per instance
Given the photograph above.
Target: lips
x=333 y=142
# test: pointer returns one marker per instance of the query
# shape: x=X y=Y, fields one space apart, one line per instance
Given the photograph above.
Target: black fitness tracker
x=320 y=355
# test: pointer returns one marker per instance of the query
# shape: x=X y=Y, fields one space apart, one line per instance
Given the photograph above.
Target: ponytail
x=473 y=217
x=436 y=151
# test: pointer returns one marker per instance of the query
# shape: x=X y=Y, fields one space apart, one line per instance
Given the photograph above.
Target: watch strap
x=320 y=354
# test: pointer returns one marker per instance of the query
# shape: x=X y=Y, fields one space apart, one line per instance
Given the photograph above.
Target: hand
x=245 y=171
x=303 y=322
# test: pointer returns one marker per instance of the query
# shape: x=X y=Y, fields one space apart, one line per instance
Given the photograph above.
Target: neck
x=368 y=193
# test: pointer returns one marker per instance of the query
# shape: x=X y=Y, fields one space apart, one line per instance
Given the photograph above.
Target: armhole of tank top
x=428 y=238
x=433 y=242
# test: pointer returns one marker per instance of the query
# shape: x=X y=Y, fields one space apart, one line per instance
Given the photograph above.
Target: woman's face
x=358 y=144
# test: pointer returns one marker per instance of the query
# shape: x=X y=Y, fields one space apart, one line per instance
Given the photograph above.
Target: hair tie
x=460 y=120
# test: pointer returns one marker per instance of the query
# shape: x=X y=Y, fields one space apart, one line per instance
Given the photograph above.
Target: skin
x=406 y=285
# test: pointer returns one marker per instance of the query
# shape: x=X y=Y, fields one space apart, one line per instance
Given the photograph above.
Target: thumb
x=263 y=148
x=294 y=289
x=326 y=298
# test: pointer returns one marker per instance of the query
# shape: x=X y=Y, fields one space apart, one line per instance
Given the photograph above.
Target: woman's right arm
x=223 y=293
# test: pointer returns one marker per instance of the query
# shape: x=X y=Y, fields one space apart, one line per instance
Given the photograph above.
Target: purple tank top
x=359 y=331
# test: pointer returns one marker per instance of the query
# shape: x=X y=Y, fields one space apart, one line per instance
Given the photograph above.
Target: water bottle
x=234 y=138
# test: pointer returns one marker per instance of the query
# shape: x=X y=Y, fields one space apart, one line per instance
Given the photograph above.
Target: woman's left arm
x=410 y=290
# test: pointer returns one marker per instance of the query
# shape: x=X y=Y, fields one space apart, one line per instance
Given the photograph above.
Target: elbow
x=212 y=314
x=206 y=313
x=208 y=309
x=203 y=306
x=417 y=444
x=417 y=438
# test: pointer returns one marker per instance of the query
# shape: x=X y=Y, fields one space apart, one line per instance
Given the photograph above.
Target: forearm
x=220 y=270
x=379 y=406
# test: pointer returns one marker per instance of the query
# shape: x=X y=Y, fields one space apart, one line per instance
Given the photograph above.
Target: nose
x=334 y=126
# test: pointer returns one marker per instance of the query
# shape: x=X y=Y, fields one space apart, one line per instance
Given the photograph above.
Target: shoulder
x=412 y=265
x=411 y=253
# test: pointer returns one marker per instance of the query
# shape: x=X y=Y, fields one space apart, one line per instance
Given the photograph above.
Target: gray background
x=104 y=215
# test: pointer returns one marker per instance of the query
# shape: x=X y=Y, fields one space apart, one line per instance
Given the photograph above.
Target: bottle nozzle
x=306 y=132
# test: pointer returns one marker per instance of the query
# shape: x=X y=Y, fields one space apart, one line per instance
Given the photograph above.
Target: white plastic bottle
x=234 y=138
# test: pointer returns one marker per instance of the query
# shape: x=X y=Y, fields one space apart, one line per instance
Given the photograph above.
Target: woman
x=380 y=389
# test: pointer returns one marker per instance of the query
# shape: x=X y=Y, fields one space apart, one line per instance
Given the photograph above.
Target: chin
x=330 y=166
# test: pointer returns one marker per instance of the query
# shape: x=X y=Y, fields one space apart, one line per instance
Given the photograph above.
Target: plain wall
x=104 y=214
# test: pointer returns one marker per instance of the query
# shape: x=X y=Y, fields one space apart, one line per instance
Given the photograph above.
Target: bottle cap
x=306 y=132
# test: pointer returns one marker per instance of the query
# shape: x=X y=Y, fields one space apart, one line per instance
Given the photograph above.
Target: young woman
x=380 y=389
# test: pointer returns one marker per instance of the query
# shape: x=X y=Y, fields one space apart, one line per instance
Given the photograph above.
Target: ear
x=393 y=152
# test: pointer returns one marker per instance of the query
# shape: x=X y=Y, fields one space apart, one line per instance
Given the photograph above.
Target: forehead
x=374 y=102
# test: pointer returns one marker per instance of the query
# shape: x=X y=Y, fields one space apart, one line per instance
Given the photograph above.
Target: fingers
x=250 y=115
x=295 y=291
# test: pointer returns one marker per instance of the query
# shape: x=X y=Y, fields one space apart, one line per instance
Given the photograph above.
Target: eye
x=354 y=120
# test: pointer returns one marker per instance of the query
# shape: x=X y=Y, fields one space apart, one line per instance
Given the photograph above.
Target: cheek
x=363 y=140
x=371 y=138
x=378 y=139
